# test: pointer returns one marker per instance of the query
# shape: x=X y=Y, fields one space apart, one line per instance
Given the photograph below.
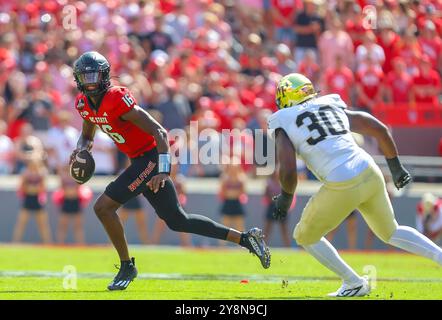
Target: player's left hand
x=157 y=182
x=401 y=179
x=282 y=205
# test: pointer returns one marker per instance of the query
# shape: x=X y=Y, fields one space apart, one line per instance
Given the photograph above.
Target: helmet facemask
x=92 y=83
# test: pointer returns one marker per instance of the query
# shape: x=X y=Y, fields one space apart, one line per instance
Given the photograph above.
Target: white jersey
x=320 y=132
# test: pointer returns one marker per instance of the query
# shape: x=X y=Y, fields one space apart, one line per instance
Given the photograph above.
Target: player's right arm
x=288 y=177
x=366 y=124
x=86 y=139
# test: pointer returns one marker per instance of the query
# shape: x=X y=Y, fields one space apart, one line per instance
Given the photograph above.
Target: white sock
x=326 y=254
x=409 y=239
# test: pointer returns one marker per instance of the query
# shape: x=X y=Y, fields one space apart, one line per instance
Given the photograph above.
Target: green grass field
x=36 y=272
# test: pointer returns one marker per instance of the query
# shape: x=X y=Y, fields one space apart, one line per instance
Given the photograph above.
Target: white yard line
x=200 y=277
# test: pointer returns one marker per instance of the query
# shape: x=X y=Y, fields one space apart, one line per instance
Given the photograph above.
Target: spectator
x=6 y=151
x=250 y=59
x=160 y=225
x=354 y=24
x=309 y=67
x=369 y=85
x=27 y=58
x=399 y=83
x=134 y=208
x=427 y=85
x=33 y=192
x=308 y=26
x=410 y=50
x=221 y=26
x=429 y=217
x=61 y=140
x=178 y=21
x=161 y=37
x=335 y=42
x=388 y=39
x=27 y=147
x=339 y=79
x=369 y=48
x=175 y=107
x=284 y=61
x=104 y=154
x=283 y=15
x=38 y=111
x=72 y=199
x=233 y=194
x=431 y=44
x=273 y=188
x=403 y=17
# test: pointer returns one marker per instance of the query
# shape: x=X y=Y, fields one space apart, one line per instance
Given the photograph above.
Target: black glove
x=401 y=177
x=283 y=202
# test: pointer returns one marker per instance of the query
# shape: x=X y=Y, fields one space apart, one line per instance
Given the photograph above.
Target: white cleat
x=353 y=290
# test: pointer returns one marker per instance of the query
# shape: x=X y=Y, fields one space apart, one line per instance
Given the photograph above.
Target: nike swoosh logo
x=350 y=292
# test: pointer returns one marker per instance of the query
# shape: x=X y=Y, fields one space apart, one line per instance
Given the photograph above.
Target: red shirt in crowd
x=286 y=8
x=309 y=70
x=389 y=47
x=432 y=48
x=356 y=31
x=340 y=82
x=370 y=80
x=400 y=86
x=431 y=79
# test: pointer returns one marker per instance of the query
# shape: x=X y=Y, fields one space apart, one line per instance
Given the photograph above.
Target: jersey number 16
x=329 y=126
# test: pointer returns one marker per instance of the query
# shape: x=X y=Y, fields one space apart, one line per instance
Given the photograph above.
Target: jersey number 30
x=328 y=126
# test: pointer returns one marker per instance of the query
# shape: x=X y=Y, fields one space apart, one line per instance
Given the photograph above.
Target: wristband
x=164 y=163
x=394 y=164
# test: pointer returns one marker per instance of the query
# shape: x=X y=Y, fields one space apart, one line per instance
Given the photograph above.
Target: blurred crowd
x=214 y=62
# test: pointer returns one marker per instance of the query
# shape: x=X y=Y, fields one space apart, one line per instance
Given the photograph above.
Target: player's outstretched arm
x=288 y=176
x=86 y=139
x=147 y=123
x=366 y=124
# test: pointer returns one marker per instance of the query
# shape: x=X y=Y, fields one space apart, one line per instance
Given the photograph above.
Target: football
x=83 y=167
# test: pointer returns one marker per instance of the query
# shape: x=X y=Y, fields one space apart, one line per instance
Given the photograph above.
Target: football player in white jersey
x=318 y=129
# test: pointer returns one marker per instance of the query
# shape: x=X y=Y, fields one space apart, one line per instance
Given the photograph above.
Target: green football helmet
x=294 y=89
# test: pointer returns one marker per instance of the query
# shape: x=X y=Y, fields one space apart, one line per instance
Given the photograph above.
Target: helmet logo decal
x=80 y=104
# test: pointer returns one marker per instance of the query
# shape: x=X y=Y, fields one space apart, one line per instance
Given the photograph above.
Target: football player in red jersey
x=114 y=110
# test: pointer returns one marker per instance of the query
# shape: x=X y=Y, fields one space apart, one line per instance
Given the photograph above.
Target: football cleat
x=127 y=273
x=254 y=241
x=354 y=290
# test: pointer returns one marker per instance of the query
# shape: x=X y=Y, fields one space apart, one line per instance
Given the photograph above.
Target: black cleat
x=254 y=241
x=126 y=275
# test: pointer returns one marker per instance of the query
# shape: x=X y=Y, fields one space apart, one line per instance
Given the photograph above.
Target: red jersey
x=116 y=102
